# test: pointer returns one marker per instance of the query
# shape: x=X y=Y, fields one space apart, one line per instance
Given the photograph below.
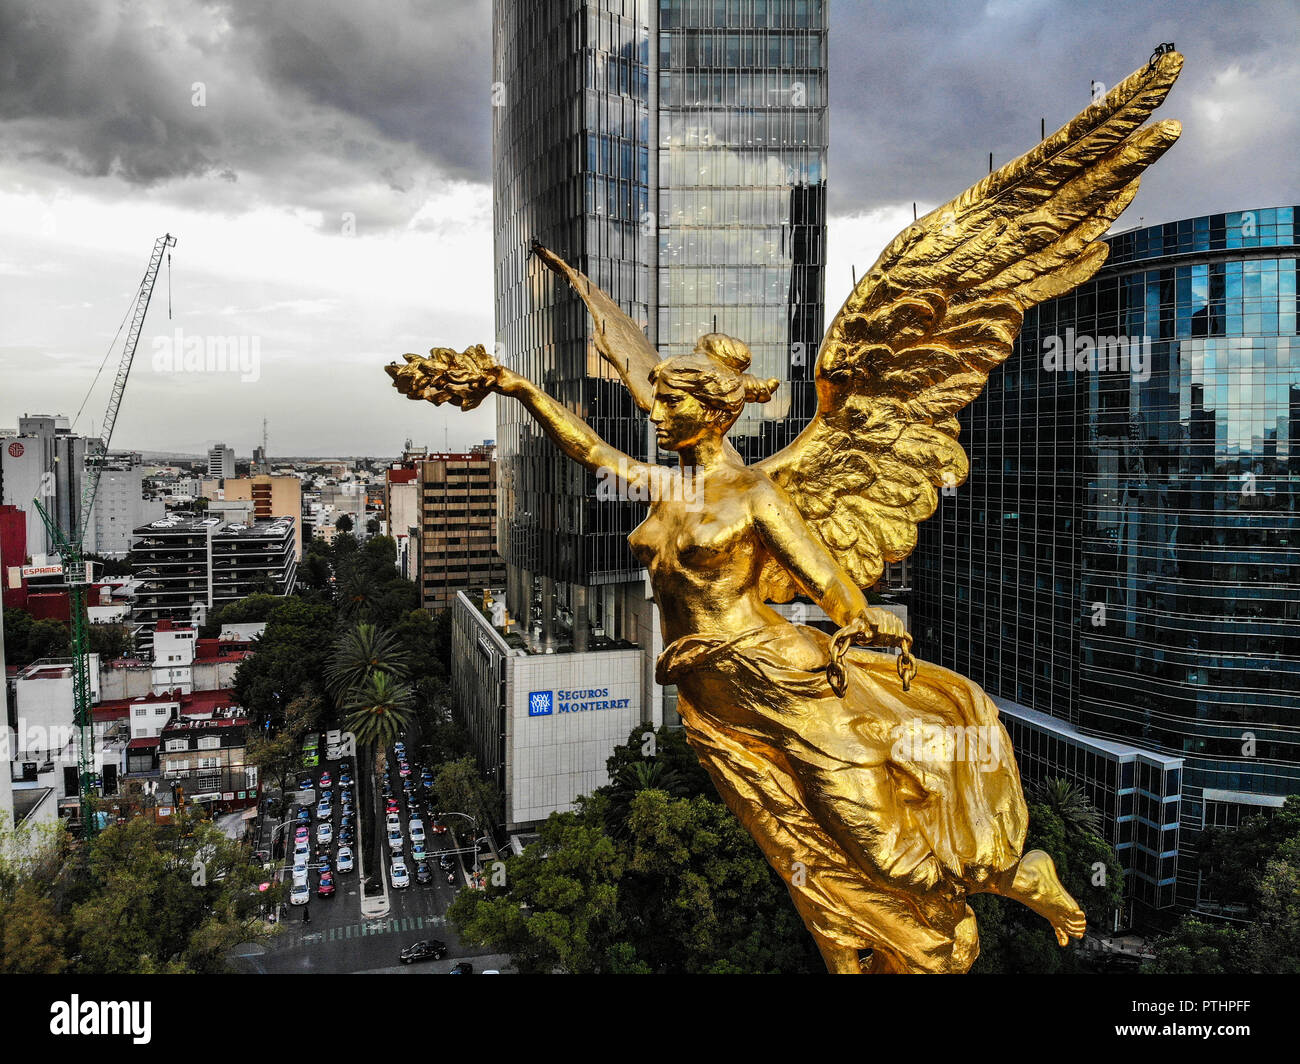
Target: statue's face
x=679 y=418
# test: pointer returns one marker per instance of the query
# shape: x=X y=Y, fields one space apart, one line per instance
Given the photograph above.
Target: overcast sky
x=332 y=195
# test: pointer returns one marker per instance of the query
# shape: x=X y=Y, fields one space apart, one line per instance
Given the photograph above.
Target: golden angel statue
x=838 y=760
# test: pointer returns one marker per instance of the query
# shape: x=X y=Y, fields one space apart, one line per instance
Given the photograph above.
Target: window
x=176 y=744
x=209 y=742
x=209 y=762
x=141 y=712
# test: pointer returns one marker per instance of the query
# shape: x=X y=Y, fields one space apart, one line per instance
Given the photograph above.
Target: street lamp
x=474 y=823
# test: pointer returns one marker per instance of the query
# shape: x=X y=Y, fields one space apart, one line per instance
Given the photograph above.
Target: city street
x=339 y=939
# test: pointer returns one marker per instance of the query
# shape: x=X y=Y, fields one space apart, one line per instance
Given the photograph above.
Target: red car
x=438 y=829
x=325 y=888
x=391 y=806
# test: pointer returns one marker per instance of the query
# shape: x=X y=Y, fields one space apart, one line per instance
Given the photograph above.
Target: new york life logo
x=541 y=703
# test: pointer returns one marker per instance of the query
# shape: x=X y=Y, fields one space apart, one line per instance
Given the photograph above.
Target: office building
x=542 y=725
x=221 y=461
x=44 y=461
x=456 y=548
x=272 y=497
x=675 y=153
x=1123 y=559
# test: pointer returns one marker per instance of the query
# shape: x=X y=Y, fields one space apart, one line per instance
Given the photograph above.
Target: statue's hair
x=714 y=373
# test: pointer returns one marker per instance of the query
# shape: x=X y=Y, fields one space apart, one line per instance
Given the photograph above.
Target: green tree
x=1196 y=947
x=110 y=641
x=289 y=660
x=17 y=626
x=344 y=523
x=459 y=787
x=559 y=908
x=31 y=937
x=48 y=639
x=358 y=654
x=378 y=710
x=279 y=756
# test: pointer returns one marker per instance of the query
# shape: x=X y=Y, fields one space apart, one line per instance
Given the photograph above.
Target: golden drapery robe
x=882 y=810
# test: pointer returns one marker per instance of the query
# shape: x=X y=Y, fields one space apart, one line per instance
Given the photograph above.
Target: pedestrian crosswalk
x=365 y=928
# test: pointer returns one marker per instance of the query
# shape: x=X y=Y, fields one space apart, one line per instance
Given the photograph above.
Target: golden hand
x=873 y=627
x=462 y=378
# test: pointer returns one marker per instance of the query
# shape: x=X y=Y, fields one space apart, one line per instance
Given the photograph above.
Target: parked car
x=345 y=859
x=428 y=950
x=463 y=968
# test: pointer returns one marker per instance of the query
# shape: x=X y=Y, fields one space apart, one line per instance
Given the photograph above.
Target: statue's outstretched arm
x=465 y=378
x=571 y=434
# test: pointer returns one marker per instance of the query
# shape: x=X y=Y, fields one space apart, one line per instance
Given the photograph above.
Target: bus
x=311 y=751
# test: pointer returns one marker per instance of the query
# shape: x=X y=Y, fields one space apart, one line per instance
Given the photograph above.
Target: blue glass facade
x=1124 y=555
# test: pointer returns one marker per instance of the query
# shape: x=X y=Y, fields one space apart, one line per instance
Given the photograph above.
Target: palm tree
x=1069 y=802
x=378 y=709
x=633 y=778
x=357 y=594
x=359 y=653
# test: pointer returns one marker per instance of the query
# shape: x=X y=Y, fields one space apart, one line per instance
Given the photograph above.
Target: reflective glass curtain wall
x=570 y=125
x=675 y=152
x=742 y=146
x=1126 y=553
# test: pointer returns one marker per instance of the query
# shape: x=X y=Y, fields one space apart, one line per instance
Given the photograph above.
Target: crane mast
x=70 y=545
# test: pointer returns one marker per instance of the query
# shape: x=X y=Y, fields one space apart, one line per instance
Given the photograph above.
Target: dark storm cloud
x=340 y=105
x=922 y=92
x=304 y=102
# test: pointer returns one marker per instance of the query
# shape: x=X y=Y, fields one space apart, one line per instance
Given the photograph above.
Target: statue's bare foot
x=1036 y=885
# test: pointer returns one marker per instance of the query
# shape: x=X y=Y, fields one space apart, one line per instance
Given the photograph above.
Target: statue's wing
x=921 y=331
x=619 y=339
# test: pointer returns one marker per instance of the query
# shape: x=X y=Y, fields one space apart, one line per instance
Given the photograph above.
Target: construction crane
x=69 y=545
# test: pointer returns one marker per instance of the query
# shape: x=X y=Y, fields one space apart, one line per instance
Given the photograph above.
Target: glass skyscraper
x=1125 y=557
x=675 y=152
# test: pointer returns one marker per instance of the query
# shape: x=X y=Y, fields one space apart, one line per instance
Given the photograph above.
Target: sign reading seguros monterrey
x=547 y=703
